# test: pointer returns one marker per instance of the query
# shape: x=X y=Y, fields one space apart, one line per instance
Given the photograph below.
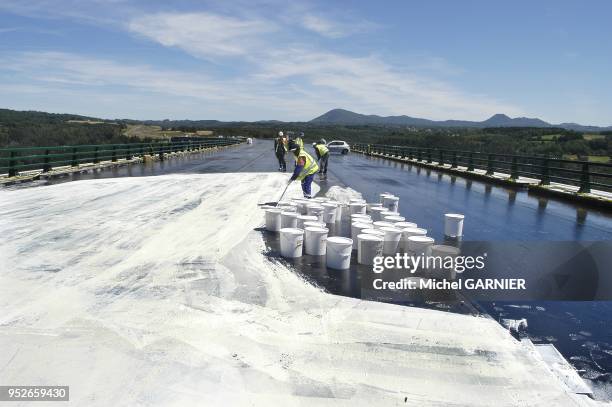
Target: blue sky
x=294 y=60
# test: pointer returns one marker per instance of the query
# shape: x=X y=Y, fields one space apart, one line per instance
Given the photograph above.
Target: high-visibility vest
x=310 y=165
x=322 y=149
x=299 y=142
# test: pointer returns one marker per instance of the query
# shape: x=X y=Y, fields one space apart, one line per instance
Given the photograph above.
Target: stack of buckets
x=302 y=224
x=377 y=229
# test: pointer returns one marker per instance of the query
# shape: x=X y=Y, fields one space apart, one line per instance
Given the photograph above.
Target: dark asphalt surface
x=580 y=330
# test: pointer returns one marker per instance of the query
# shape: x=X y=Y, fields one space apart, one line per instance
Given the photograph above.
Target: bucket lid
x=312 y=223
x=382 y=224
x=362 y=220
x=361 y=225
x=356 y=200
x=314 y=229
x=339 y=240
x=376 y=232
x=359 y=204
x=368 y=236
x=414 y=231
x=420 y=239
x=292 y=231
x=307 y=217
x=378 y=208
x=404 y=225
x=391 y=230
x=273 y=210
x=445 y=250
x=454 y=216
x=290 y=214
x=391 y=197
x=329 y=205
x=395 y=218
x=374 y=204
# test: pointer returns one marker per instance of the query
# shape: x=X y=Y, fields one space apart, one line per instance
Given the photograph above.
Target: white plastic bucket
x=356 y=200
x=301 y=207
x=357 y=207
x=273 y=220
x=288 y=219
x=291 y=242
x=418 y=245
x=372 y=231
x=444 y=251
x=341 y=208
x=305 y=218
x=382 y=224
x=391 y=203
x=339 y=252
x=368 y=247
x=315 y=241
x=383 y=196
x=356 y=229
x=329 y=212
x=314 y=224
x=315 y=210
x=407 y=232
x=453 y=225
x=376 y=211
x=392 y=240
x=320 y=199
x=404 y=225
x=371 y=205
x=387 y=212
x=360 y=217
x=394 y=218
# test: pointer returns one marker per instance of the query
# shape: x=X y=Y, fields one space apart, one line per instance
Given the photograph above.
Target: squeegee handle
x=283 y=194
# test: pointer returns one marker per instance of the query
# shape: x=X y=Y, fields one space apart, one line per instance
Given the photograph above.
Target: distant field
x=89 y=122
x=144 y=131
x=589 y=137
x=591 y=158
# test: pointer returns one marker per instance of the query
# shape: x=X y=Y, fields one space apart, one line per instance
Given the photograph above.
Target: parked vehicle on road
x=339 y=146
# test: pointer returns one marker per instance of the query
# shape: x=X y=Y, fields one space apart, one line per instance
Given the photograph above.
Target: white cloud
x=202 y=34
x=334 y=29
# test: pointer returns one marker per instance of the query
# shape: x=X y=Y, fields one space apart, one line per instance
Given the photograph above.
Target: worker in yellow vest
x=305 y=168
x=322 y=156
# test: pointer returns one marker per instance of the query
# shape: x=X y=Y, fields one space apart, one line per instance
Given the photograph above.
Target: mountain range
x=342 y=116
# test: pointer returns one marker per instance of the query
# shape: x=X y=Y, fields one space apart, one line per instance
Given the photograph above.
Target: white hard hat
x=280 y=133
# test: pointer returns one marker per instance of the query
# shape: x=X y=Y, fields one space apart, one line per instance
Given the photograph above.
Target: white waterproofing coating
x=156 y=291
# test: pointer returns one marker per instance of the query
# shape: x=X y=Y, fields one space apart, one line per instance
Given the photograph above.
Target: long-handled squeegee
x=279 y=199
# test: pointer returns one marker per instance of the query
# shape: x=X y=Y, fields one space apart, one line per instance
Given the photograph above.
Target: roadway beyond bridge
x=155 y=290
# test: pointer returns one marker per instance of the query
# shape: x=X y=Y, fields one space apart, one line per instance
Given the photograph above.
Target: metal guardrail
x=584 y=174
x=14 y=160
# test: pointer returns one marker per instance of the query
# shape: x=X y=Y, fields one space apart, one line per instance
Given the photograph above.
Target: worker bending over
x=305 y=168
x=322 y=156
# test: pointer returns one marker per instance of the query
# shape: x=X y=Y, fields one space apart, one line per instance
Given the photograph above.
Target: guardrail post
x=441 y=159
x=429 y=156
x=128 y=153
x=96 y=159
x=114 y=154
x=454 y=162
x=142 y=152
x=490 y=165
x=585 y=179
x=161 y=152
x=545 y=172
x=12 y=170
x=369 y=149
x=73 y=162
x=514 y=169
x=46 y=166
x=470 y=166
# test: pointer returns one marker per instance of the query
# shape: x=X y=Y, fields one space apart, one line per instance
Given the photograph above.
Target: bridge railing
x=584 y=174
x=22 y=159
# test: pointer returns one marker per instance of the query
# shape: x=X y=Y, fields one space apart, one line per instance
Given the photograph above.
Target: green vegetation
x=39 y=129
